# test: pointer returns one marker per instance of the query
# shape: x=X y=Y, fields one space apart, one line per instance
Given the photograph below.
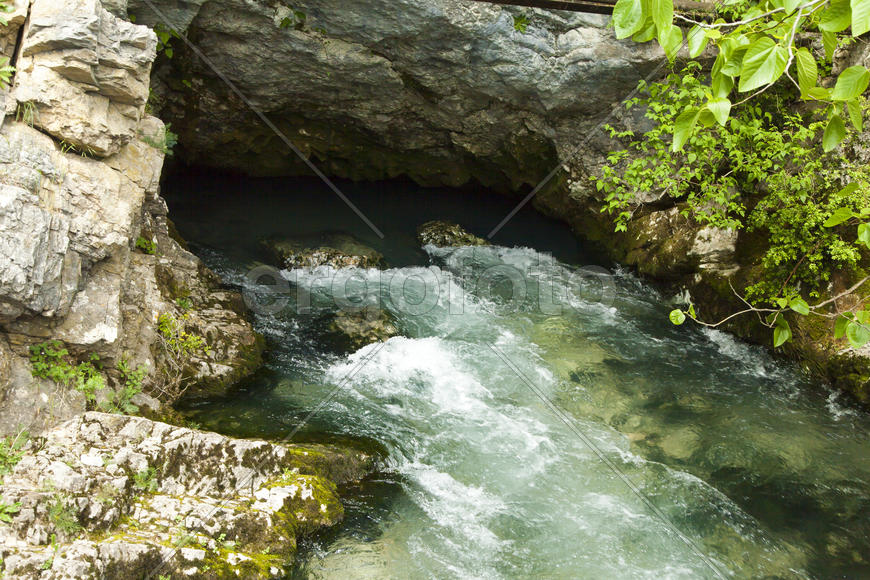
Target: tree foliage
x=753 y=143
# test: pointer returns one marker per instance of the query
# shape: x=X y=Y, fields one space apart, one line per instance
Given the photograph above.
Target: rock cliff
x=88 y=259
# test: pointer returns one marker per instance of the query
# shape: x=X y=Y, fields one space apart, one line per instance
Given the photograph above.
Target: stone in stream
x=335 y=250
x=446 y=234
x=111 y=496
x=354 y=330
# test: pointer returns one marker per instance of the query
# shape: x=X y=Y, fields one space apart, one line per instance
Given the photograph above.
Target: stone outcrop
x=88 y=258
x=442 y=91
x=83 y=74
x=335 y=251
x=445 y=234
x=108 y=496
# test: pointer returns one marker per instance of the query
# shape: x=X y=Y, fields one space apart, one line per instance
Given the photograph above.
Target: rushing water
x=558 y=427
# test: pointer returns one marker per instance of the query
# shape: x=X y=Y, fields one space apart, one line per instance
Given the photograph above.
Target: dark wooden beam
x=600 y=6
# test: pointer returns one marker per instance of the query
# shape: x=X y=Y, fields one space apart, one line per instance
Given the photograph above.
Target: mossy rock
x=335 y=250
x=446 y=234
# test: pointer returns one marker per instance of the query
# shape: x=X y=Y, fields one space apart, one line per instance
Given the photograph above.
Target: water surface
x=569 y=432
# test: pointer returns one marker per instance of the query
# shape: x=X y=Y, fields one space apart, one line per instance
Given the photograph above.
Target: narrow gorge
x=324 y=290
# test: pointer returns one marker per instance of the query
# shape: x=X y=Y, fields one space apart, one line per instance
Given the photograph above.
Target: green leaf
x=856 y=115
x=851 y=83
x=721 y=108
x=781 y=333
x=860 y=17
x=857 y=334
x=697 y=41
x=837 y=17
x=864 y=234
x=783 y=303
x=722 y=85
x=829 y=41
x=763 y=63
x=671 y=40
x=840 y=327
x=662 y=13
x=839 y=216
x=799 y=305
x=646 y=33
x=791 y=5
x=683 y=127
x=820 y=93
x=628 y=17
x=677 y=317
x=834 y=133
x=808 y=71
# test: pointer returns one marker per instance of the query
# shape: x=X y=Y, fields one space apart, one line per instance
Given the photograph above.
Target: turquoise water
x=560 y=431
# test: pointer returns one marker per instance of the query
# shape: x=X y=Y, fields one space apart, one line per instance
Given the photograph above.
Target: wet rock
x=443 y=234
x=123 y=494
x=354 y=330
x=336 y=251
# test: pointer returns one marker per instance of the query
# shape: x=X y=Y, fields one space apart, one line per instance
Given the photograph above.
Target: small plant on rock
x=146 y=245
x=120 y=401
x=521 y=23
x=8 y=510
x=50 y=360
x=11 y=451
x=64 y=516
x=146 y=480
x=165 y=141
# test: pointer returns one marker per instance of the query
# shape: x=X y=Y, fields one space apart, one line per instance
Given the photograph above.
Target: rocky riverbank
x=109 y=496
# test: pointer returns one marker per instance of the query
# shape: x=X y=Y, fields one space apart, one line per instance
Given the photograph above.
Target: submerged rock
x=354 y=330
x=337 y=251
x=444 y=234
x=126 y=497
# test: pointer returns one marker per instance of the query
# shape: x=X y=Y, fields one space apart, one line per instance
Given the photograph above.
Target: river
x=539 y=417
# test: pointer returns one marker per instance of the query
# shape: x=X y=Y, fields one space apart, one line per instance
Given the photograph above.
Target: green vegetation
x=295 y=20
x=165 y=36
x=177 y=340
x=146 y=245
x=64 y=516
x=146 y=480
x=11 y=451
x=184 y=304
x=734 y=149
x=521 y=23
x=120 y=400
x=164 y=141
x=8 y=510
x=26 y=113
x=50 y=360
x=6 y=71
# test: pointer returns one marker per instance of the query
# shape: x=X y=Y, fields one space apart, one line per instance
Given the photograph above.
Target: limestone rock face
x=354 y=330
x=83 y=74
x=124 y=496
x=87 y=258
x=442 y=91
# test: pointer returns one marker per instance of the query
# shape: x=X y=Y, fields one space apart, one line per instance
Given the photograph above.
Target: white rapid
x=561 y=430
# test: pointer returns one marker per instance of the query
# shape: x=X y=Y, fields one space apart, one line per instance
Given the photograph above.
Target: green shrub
x=50 y=360
x=119 y=401
x=521 y=23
